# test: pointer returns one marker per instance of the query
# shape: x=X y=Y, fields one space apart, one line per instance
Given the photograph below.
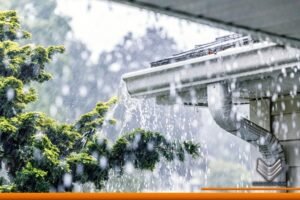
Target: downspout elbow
x=273 y=163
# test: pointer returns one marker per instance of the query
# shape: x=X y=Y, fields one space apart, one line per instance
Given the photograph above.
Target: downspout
x=272 y=165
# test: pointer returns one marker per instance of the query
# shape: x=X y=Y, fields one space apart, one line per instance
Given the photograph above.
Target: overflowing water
x=175 y=122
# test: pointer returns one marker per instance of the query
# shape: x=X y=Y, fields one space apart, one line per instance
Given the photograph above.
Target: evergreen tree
x=39 y=153
x=39 y=17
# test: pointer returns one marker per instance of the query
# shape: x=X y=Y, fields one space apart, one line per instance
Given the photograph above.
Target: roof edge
x=255 y=33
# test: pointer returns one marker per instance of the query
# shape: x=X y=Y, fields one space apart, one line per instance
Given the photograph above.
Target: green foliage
x=89 y=122
x=12 y=96
x=144 y=149
x=10 y=27
x=39 y=152
x=39 y=17
x=7 y=188
x=26 y=63
x=31 y=179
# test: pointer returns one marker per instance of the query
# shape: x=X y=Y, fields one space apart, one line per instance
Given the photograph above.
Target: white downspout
x=272 y=165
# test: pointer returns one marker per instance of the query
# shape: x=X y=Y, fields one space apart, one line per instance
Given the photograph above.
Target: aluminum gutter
x=241 y=64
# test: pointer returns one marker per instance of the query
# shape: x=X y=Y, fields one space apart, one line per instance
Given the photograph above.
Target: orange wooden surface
x=139 y=196
x=251 y=188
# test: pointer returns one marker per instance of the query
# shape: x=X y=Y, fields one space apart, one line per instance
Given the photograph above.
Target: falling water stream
x=175 y=122
x=168 y=120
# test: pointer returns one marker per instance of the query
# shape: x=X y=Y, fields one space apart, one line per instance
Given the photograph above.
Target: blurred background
x=104 y=40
